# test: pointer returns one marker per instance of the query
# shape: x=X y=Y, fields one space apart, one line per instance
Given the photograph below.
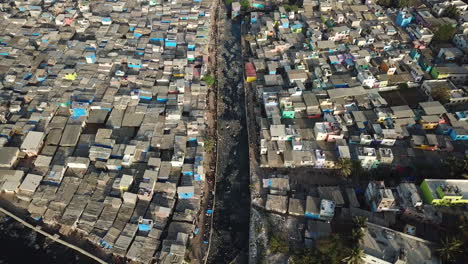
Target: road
x=231 y=218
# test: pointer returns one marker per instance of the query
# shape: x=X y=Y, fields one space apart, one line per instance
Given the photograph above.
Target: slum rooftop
x=346 y=80
x=103 y=119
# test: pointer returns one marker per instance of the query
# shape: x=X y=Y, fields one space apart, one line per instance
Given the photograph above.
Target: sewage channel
x=232 y=209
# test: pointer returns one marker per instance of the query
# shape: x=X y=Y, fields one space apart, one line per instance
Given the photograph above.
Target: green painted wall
x=288 y=114
x=426 y=193
x=441 y=199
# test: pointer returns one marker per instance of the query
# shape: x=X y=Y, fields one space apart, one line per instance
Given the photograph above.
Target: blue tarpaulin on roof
x=296 y=26
x=188 y=173
x=312 y=215
x=104 y=244
x=144 y=227
x=170 y=44
x=79 y=112
x=185 y=195
x=134 y=66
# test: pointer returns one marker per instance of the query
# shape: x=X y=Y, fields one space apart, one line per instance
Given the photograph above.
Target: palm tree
x=449 y=249
x=456 y=167
x=345 y=166
x=357 y=235
x=355 y=256
x=360 y=221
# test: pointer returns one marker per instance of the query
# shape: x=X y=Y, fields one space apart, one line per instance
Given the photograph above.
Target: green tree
x=402 y=3
x=330 y=249
x=209 y=144
x=355 y=256
x=456 y=167
x=444 y=33
x=305 y=256
x=399 y=3
x=290 y=8
x=357 y=235
x=209 y=79
x=278 y=245
x=449 y=249
x=451 y=12
x=441 y=94
x=403 y=86
x=360 y=221
x=245 y=4
x=345 y=166
x=385 y=3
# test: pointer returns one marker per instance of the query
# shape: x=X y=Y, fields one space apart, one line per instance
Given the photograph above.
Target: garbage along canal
x=230 y=236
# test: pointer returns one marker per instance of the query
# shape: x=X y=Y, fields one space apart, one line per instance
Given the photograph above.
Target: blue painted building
x=404 y=18
x=90 y=57
x=458 y=134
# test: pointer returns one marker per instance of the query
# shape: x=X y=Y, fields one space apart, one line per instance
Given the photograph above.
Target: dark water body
x=19 y=244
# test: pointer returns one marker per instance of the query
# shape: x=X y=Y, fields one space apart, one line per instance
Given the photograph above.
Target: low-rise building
x=444 y=192
x=379 y=197
x=387 y=246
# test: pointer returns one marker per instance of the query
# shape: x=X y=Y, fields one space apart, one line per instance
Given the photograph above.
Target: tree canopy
x=345 y=166
x=334 y=249
x=278 y=245
x=451 y=12
x=450 y=249
x=210 y=80
x=245 y=4
x=360 y=221
x=456 y=167
x=403 y=86
x=290 y=8
x=441 y=94
x=355 y=256
x=398 y=3
x=444 y=33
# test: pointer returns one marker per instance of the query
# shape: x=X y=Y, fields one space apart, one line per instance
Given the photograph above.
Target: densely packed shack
x=346 y=80
x=103 y=119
